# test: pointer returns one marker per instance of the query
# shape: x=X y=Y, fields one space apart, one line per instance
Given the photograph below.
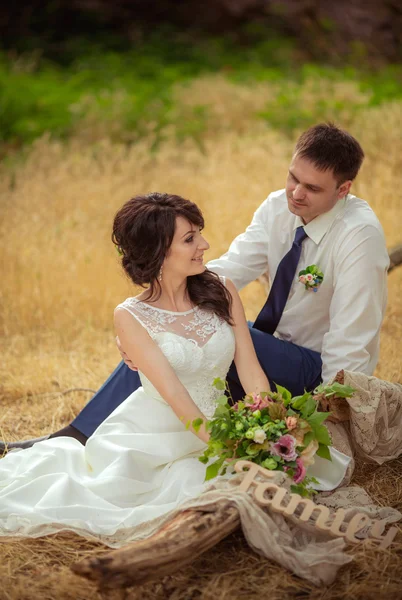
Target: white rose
x=259 y=436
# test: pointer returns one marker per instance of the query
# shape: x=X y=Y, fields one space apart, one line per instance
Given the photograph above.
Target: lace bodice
x=198 y=344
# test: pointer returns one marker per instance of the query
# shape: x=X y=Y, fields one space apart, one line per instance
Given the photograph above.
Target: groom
x=311 y=326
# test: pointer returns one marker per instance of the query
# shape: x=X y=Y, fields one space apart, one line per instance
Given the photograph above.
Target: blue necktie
x=271 y=312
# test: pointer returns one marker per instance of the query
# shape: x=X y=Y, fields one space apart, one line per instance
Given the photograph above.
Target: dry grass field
x=60 y=280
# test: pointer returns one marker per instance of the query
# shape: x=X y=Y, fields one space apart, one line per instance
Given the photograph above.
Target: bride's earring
x=160 y=274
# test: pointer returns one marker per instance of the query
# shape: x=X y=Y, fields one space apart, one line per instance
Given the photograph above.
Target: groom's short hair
x=329 y=147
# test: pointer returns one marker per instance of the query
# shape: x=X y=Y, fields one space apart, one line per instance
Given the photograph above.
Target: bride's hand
x=124 y=356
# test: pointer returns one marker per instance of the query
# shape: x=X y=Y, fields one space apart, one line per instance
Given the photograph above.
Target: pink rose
x=258 y=402
x=309 y=277
x=300 y=471
x=291 y=422
x=302 y=278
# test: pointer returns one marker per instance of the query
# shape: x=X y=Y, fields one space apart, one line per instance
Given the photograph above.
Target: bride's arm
x=249 y=370
x=146 y=355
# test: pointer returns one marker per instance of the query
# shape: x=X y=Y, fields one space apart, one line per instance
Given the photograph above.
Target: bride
x=182 y=331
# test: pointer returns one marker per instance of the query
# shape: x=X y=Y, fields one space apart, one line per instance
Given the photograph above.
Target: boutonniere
x=311 y=277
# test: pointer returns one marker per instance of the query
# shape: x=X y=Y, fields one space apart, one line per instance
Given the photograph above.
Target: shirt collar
x=319 y=226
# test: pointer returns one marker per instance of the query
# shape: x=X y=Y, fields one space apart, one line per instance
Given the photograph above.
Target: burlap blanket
x=369 y=424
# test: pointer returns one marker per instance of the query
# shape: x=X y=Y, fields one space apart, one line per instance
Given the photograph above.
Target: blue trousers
x=291 y=366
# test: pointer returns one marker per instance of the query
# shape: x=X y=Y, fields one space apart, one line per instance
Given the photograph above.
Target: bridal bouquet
x=272 y=429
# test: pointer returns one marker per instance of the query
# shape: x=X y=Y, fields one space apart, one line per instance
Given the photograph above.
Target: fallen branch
x=173 y=547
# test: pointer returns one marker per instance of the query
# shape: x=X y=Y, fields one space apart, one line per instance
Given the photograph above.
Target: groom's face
x=311 y=192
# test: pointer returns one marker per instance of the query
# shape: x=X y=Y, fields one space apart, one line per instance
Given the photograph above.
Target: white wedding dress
x=141 y=462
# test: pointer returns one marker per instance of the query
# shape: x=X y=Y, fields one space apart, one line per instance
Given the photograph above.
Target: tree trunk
x=395 y=257
x=174 y=546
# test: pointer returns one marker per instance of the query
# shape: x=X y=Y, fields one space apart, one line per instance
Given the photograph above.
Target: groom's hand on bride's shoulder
x=124 y=356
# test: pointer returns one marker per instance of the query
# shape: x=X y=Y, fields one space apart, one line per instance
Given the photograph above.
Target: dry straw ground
x=60 y=280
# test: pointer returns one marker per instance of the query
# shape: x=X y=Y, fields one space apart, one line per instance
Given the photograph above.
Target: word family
x=279 y=499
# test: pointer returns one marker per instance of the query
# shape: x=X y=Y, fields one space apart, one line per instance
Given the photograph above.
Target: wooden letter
x=335 y=528
x=253 y=469
x=376 y=532
x=259 y=493
x=356 y=524
x=277 y=500
x=308 y=510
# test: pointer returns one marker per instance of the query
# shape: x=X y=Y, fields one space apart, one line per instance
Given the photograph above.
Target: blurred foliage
x=128 y=94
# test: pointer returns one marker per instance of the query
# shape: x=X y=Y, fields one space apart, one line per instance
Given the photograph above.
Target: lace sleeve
x=154 y=320
x=130 y=306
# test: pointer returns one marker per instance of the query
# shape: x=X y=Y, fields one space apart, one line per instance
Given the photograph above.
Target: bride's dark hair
x=143 y=231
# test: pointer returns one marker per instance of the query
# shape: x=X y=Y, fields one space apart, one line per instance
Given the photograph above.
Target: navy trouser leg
x=121 y=383
x=291 y=366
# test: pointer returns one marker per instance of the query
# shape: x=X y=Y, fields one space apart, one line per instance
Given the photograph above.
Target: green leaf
x=220 y=411
x=308 y=437
x=323 y=452
x=197 y=424
x=253 y=449
x=309 y=407
x=222 y=400
x=215 y=446
x=213 y=470
x=335 y=389
x=286 y=395
x=188 y=424
x=319 y=389
x=299 y=489
x=269 y=463
x=219 y=383
x=317 y=418
x=322 y=435
x=299 y=401
x=342 y=391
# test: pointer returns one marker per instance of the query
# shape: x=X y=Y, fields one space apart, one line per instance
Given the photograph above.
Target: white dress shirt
x=342 y=319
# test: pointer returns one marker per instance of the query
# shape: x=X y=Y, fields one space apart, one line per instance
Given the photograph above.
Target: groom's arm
x=358 y=304
x=247 y=257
